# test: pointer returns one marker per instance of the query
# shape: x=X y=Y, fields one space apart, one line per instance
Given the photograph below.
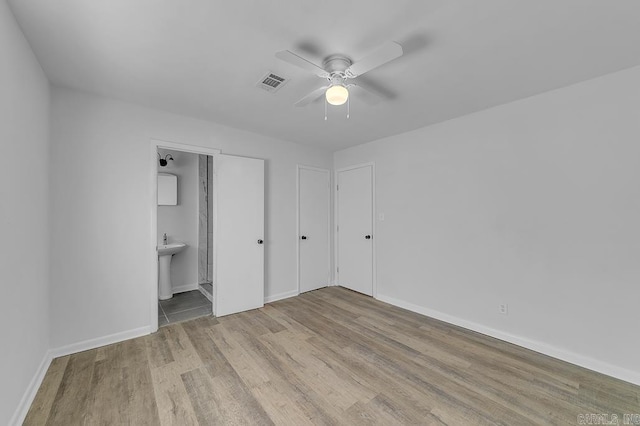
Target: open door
x=239 y=235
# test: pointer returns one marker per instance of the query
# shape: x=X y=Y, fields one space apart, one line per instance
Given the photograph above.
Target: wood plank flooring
x=330 y=356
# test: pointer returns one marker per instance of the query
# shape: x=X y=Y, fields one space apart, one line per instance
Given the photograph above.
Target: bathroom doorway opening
x=186 y=220
x=185 y=236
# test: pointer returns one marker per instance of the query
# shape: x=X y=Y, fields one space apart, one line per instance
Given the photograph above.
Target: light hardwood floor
x=330 y=356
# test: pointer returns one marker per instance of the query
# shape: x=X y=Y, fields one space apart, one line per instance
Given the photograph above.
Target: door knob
x=260 y=241
x=304 y=237
x=367 y=237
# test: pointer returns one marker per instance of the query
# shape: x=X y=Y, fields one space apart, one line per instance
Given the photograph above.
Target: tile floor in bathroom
x=183 y=306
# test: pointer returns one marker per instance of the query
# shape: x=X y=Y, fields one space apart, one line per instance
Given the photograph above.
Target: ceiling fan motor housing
x=336 y=64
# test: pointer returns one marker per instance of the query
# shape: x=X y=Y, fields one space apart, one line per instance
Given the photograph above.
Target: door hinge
x=338 y=269
x=337 y=228
x=337 y=187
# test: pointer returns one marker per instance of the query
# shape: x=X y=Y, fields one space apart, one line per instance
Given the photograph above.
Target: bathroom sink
x=165 y=249
x=165 y=254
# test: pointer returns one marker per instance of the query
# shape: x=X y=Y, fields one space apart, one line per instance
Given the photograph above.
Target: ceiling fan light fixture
x=337 y=94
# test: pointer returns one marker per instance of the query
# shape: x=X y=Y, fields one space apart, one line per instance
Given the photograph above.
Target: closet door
x=239 y=234
x=355 y=228
x=313 y=228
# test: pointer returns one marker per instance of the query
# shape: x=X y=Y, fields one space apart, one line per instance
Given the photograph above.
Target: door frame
x=153 y=209
x=328 y=172
x=372 y=164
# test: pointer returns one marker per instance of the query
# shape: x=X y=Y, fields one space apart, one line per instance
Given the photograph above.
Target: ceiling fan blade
x=385 y=53
x=311 y=97
x=300 y=62
x=367 y=95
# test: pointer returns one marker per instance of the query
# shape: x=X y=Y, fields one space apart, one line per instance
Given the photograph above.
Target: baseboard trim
x=534 y=345
x=98 y=342
x=280 y=296
x=184 y=287
x=30 y=393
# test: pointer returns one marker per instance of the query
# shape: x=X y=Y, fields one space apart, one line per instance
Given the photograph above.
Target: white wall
x=180 y=222
x=101 y=214
x=24 y=260
x=535 y=204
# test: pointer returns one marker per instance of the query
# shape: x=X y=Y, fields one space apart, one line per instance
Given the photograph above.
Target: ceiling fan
x=338 y=69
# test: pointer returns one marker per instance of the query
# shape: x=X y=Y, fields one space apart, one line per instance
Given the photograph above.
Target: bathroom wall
x=211 y=212
x=203 y=215
x=180 y=222
x=205 y=211
x=24 y=220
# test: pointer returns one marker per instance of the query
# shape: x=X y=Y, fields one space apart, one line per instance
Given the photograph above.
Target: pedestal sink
x=165 y=253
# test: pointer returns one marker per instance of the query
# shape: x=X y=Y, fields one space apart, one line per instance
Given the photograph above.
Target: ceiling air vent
x=272 y=82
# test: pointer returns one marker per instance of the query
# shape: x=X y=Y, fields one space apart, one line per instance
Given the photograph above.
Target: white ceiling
x=202 y=58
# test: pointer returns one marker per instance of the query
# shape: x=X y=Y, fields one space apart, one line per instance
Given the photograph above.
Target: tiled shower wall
x=205 y=206
x=209 y=221
x=203 y=215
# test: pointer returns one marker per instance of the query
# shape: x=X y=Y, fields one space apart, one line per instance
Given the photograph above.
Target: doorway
x=314 y=212
x=183 y=226
x=237 y=223
x=355 y=228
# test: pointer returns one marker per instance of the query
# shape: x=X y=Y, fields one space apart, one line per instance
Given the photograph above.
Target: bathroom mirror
x=167 y=189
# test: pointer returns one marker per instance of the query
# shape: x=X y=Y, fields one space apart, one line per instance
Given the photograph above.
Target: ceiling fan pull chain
x=325 y=109
x=348 y=106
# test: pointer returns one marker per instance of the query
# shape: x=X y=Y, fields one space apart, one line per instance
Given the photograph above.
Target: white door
x=313 y=228
x=355 y=229
x=239 y=234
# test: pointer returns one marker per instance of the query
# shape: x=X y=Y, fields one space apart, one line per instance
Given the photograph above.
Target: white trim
x=280 y=296
x=328 y=173
x=184 y=287
x=153 y=209
x=374 y=273
x=534 y=345
x=213 y=223
x=198 y=222
x=356 y=166
x=374 y=216
x=153 y=252
x=297 y=230
x=100 y=341
x=30 y=393
x=334 y=230
x=183 y=147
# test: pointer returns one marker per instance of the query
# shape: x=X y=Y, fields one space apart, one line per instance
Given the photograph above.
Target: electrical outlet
x=503 y=308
